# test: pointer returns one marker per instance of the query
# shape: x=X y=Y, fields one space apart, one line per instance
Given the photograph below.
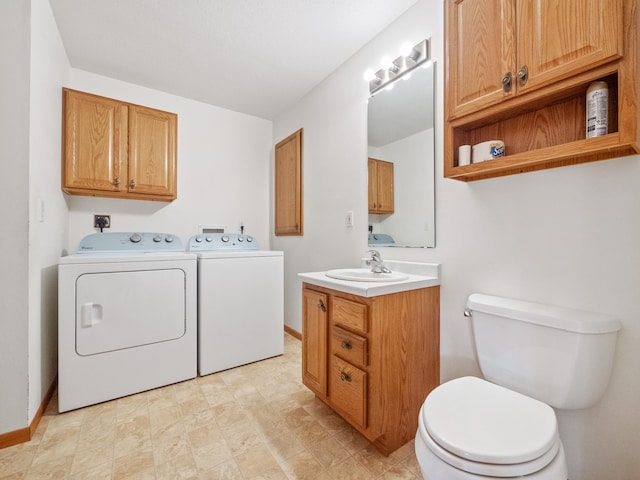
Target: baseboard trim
x=292 y=332
x=25 y=434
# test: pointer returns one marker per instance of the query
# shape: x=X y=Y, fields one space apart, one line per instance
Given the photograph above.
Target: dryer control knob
x=157 y=238
x=240 y=238
x=198 y=239
x=209 y=239
x=135 y=238
x=249 y=239
x=168 y=239
x=225 y=238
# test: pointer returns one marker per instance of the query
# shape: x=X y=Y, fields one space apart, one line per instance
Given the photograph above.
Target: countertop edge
x=369 y=289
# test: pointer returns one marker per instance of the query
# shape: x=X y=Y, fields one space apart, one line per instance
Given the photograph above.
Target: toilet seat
x=486 y=429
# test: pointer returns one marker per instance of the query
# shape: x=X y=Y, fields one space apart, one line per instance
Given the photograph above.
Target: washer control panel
x=207 y=242
x=123 y=242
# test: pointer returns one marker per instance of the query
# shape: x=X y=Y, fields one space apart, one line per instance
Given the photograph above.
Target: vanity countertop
x=420 y=275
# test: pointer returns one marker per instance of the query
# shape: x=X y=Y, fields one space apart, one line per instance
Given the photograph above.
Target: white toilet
x=534 y=357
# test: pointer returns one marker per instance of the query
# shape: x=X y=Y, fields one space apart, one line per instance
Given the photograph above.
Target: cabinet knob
x=345 y=377
x=507 y=81
x=321 y=306
x=346 y=344
x=132 y=184
x=523 y=75
x=116 y=182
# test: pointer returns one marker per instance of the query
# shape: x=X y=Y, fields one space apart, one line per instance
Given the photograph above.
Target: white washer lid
x=483 y=422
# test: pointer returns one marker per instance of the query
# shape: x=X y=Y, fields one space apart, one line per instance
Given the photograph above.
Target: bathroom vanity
x=371 y=351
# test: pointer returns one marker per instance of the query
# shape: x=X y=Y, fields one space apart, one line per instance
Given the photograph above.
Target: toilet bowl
x=469 y=428
x=534 y=357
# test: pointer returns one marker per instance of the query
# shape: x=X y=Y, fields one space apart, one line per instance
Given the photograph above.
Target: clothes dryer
x=240 y=301
x=126 y=317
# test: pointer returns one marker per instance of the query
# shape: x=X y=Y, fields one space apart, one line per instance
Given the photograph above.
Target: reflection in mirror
x=400 y=132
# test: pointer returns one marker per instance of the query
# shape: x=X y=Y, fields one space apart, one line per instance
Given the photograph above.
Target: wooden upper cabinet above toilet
x=518 y=71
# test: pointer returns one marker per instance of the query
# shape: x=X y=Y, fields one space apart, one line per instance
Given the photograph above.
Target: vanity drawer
x=348 y=390
x=349 y=346
x=349 y=314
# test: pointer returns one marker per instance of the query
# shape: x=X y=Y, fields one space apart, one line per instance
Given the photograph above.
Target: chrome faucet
x=377 y=266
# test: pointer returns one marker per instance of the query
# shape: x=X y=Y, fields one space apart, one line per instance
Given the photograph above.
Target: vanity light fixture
x=410 y=58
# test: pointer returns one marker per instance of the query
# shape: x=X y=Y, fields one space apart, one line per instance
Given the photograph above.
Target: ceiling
x=257 y=57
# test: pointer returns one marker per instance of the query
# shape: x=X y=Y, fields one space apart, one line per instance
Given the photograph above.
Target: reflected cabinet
x=519 y=72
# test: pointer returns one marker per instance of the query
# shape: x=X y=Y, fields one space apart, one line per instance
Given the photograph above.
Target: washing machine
x=127 y=317
x=240 y=301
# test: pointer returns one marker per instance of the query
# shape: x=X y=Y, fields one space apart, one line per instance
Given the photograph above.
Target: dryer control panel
x=208 y=242
x=124 y=242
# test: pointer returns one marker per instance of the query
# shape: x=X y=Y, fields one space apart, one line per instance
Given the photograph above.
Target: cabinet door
x=481 y=50
x=288 y=188
x=557 y=38
x=95 y=143
x=152 y=152
x=385 y=187
x=314 y=341
x=381 y=193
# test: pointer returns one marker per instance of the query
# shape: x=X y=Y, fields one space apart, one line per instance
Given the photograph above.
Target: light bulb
x=369 y=75
x=405 y=49
x=385 y=62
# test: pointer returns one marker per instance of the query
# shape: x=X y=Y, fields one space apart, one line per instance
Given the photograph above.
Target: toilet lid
x=482 y=422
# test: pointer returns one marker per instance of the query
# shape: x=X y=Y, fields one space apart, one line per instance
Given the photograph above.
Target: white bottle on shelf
x=597 y=109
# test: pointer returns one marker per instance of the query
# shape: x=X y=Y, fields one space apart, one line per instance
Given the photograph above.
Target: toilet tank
x=560 y=356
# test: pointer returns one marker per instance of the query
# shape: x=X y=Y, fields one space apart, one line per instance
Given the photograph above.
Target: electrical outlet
x=102 y=221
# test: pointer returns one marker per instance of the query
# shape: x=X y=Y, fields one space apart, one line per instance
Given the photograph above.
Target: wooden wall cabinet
x=116 y=149
x=381 y=190
x=288 y=185
x=519 y=72
x=373 y=360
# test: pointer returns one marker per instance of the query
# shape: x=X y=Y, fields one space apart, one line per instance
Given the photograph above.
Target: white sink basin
x=365 y=275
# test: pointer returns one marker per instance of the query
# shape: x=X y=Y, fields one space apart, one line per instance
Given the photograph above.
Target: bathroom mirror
x=401 y=131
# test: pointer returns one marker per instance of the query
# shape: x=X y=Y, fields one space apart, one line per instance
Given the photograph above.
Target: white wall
x=223 y=170
x=567 y=236
x=14 y=209
x=47 y=208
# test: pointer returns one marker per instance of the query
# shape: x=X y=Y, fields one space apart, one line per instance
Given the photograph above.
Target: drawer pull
x=321 y=306
x=345 y=377
x=346 y=344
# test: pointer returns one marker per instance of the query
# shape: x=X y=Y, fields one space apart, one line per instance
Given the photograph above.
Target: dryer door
x=118 y=310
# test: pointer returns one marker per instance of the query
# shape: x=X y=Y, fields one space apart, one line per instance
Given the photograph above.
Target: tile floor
x=251 y=422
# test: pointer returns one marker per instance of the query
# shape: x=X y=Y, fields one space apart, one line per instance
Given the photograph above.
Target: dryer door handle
x=90 y=314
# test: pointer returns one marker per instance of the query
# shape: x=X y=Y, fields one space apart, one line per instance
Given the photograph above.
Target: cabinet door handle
x=116 y=182
x=523 y=75
x=345 y=377
x=346 y=344
x=132 y=184
x=507 y=81
x=321 y=306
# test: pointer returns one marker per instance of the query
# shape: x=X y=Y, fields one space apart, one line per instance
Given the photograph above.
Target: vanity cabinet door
x=314 y=341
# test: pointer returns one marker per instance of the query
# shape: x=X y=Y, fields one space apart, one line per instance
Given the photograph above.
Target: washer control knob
x=198 y=239
x=249 y=239
x=168 y=239
x=157 y=238
x=225 y=238
x=135 y=238
x=209 y=239
x=240 y=238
